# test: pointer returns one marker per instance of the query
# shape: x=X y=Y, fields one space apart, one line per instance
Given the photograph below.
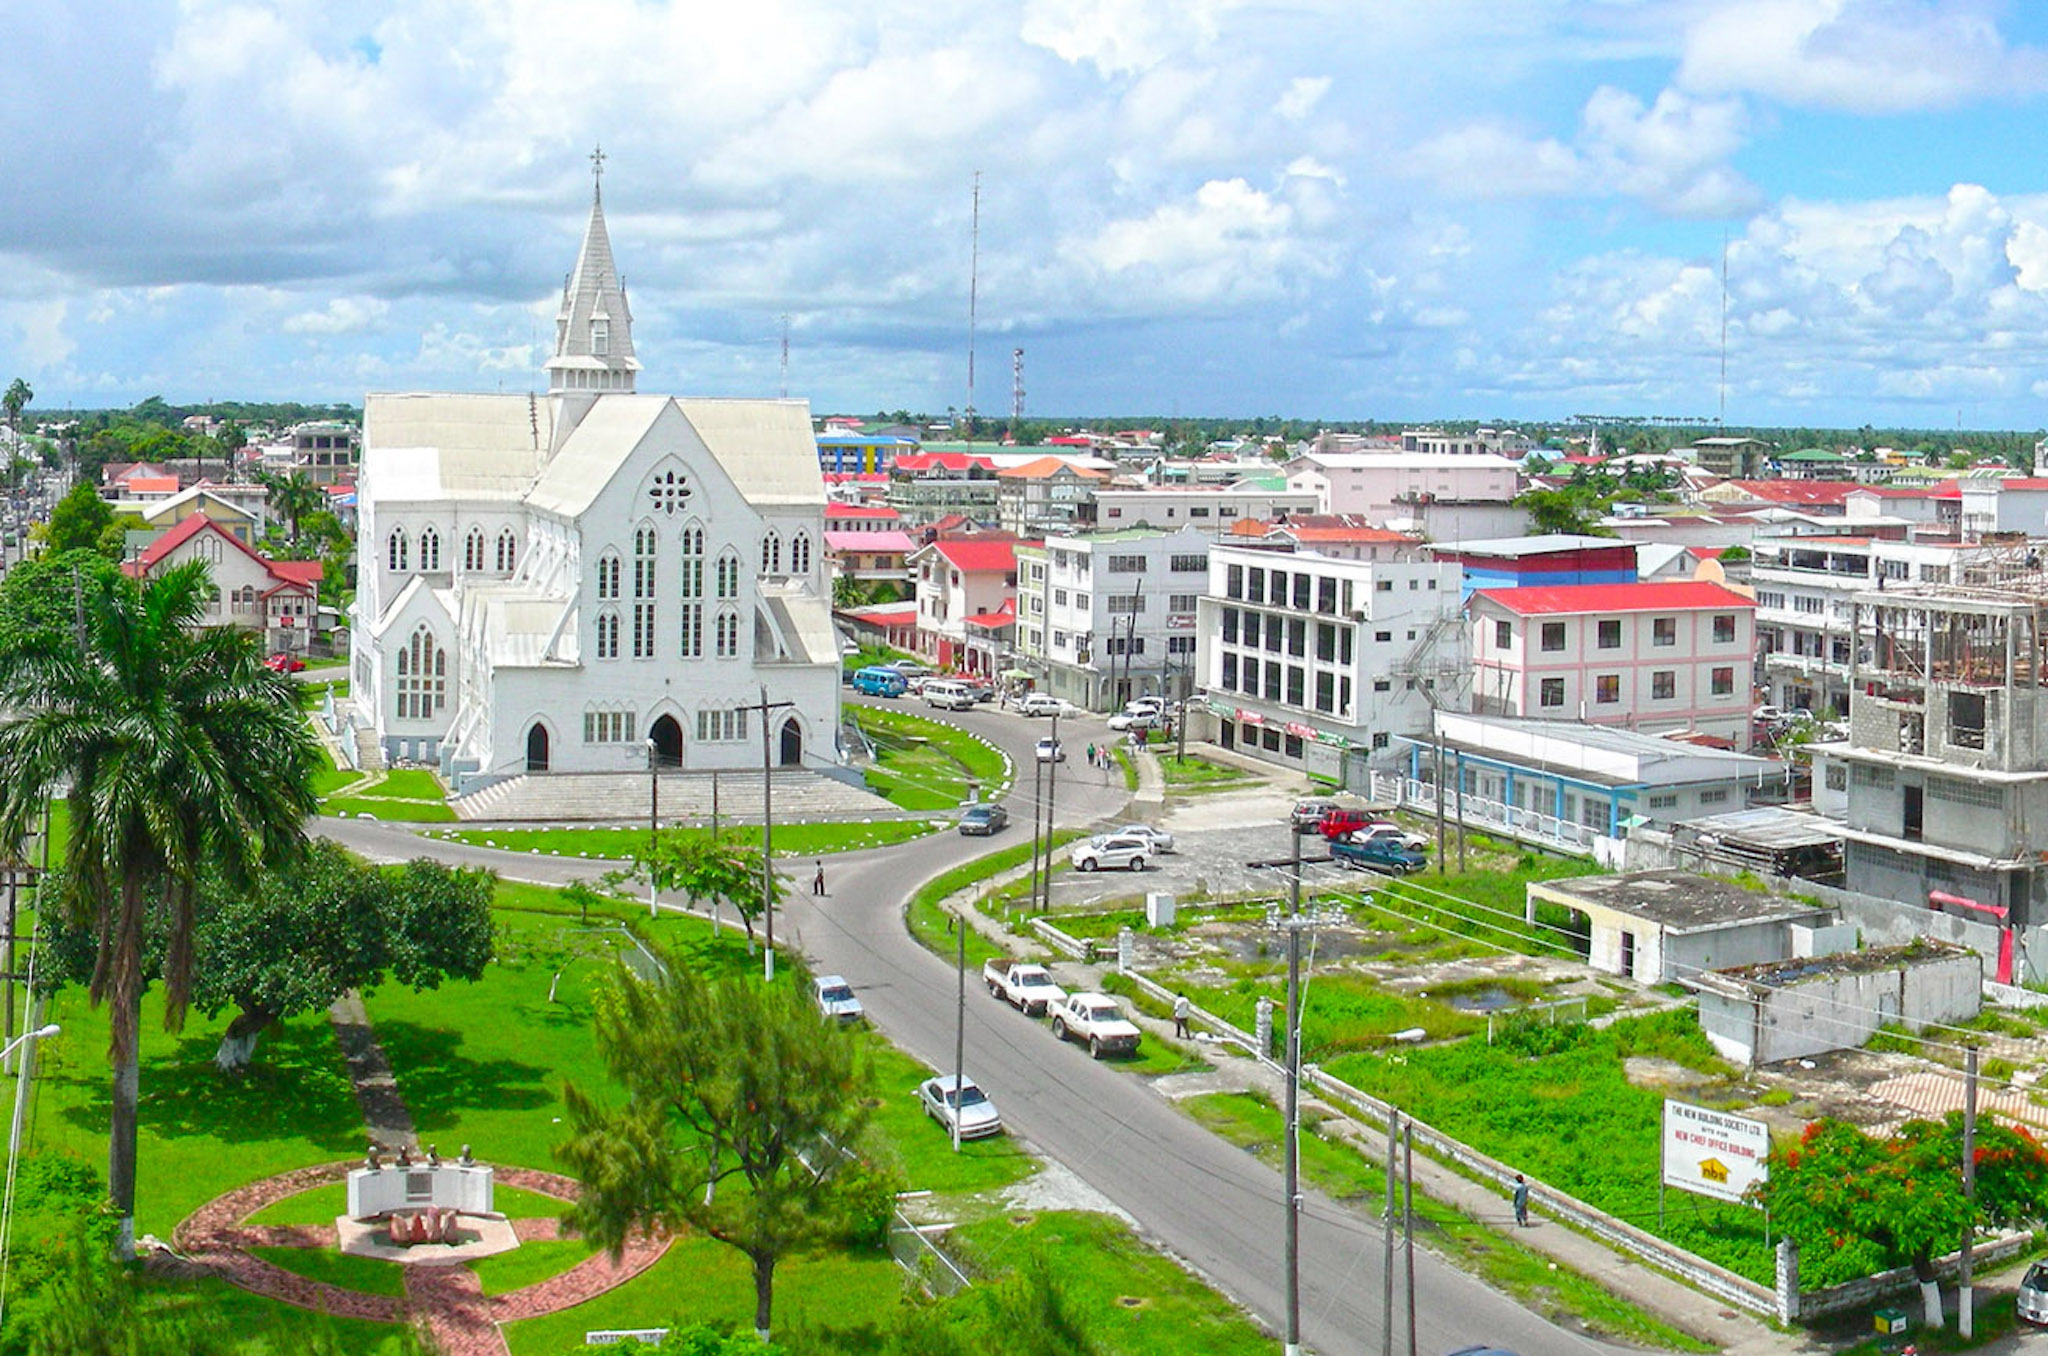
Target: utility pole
x=1408 y=1222
x=1180 y=716
x=1037 y=807
x=1440 y=805
x=1387 y=1231
x=1293 y=1129
x=1965 y=1306
x=763 y=707
x=653 y=826
x=960 y=1024
x=1052 y=779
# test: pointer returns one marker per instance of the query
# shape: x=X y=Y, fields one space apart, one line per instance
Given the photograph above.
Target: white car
x=948 y=1096
x=1049 y=751
x=1160 y=839
x=1144 y=706
x=1384 y=832
x=1134 y=720
x=834 y=997
x=910 y=668
x=1112 y=851
x=1042 y=704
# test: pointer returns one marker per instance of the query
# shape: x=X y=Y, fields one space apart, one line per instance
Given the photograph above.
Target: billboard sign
x=1713 y=1153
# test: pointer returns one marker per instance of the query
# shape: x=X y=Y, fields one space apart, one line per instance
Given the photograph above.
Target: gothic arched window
x=422 y=677
x=473 y=550
x=397 y=552
x=430 y=548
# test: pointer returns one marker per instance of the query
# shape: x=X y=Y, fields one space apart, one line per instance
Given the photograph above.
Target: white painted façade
x=547 y=583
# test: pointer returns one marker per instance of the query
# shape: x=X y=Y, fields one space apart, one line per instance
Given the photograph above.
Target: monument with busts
x=378 y=1189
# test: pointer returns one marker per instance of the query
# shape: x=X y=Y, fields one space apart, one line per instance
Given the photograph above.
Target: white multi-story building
x=1206 y=508
x=1109 y=616
x=1658 y=658
x=958 y=578
x=590 y=579
x=1389 y=485
x=1805 y=604
x=1318 y=662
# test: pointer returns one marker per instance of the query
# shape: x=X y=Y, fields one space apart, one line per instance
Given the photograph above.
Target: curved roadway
x=1189 y=1191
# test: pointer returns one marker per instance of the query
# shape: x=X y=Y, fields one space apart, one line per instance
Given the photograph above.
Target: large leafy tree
x=738 y=1098
x=1858 y=1204
x=78 y=521
x=305 y=933
x=713 y=870
x=176 y=753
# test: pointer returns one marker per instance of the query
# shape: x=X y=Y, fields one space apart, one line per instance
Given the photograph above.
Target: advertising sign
x=1713 y=1153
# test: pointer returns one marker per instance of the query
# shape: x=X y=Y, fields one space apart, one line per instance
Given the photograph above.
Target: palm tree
x=14 y=402
x=294 y=495
x=176 y=751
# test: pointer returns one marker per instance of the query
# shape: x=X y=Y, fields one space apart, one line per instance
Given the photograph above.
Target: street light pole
x=1293 y=1116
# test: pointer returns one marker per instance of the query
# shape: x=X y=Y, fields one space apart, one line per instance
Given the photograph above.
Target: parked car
x=983 y=692
x=1134 y=720
x=1377 y=855
x=880 y=681
x=1024 y=985
x=1115 y=851
x=946 y=694
x=910 y=668
x=983 y=820
x=1049 y=751
x=1042 y=704
x=948 y=1096
x=284 y=663
x=2033 y=1295
x=834 y=997
x=1143 y=706
x=1097 y=1022
x=1308 y=813
x=1386 y=831
x=1160 y=839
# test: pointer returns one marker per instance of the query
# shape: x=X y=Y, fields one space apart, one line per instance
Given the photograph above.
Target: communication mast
x=973 y=292
x=785 y=355
x=1016 y=385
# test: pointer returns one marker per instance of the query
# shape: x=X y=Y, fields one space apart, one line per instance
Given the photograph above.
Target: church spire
x=594 y=328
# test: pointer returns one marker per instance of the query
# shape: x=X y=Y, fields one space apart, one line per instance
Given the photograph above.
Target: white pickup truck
x=1096 y=1022
x=1024 y=985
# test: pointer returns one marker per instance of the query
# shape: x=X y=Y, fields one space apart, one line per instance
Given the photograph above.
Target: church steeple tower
x=594 y=328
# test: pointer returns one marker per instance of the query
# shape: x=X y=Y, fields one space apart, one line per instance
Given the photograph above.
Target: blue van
x=877 y=681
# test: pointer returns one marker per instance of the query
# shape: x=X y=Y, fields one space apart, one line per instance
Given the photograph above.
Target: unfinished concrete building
x=1947 y=756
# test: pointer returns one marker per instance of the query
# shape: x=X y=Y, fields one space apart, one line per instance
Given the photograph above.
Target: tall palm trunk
x=124 y=1054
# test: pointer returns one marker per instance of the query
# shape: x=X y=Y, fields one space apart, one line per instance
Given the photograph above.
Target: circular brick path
x=447 y=1299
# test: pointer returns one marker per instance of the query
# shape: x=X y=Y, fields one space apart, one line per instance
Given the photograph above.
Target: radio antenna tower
x=973 y=291
x=785 y=355
x=1723 y=419
x=1016 y=386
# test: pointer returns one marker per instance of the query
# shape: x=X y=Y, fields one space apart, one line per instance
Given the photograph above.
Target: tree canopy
x=78 y=522
x=1859 y=1204
x=304 y=933
x=739 y=1096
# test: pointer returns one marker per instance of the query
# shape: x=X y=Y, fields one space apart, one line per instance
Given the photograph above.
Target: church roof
x=764 y=446
x=419 y=446
x=594 y=292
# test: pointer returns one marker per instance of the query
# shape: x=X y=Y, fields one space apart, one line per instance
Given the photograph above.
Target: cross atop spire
x=594 y=329
x=597 y=172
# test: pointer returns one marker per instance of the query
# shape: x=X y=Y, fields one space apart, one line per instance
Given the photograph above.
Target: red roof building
x=276 y=597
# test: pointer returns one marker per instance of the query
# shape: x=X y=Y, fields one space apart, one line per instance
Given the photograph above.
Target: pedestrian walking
x=818 y=881
x=1180 y=1015
x=1091 y=753
x=1521 y=1201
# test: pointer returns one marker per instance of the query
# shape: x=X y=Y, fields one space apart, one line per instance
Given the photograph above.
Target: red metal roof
x=1677 y=596
x=1798 y=491
x=973 y=555
x=301 y=573
x=941 y=461
x=861 y=511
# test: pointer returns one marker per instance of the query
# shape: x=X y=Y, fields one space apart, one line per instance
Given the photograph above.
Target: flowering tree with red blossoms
x=1857 y=1204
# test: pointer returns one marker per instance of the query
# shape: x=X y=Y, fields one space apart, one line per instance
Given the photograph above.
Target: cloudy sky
x=1320 y=208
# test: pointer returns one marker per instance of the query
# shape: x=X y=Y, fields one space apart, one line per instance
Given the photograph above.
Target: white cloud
x=1670 y=154
x=342 y=315
x=1859 y=56
x=1121 y=37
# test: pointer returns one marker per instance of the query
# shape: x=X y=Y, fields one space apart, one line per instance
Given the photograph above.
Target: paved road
x=1188 y=1190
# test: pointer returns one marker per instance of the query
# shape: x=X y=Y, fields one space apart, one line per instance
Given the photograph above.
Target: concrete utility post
x=764 y=707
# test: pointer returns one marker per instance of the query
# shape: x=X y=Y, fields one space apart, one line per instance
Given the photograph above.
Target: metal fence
x=928 y=1263
x=1480 y=812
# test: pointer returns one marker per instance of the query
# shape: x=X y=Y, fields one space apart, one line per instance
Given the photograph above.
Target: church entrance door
x=537 y=748
x=668 y=742
x=792 y=744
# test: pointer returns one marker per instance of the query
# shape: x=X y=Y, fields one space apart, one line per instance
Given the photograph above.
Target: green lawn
x=902 y=1134
x=1198 y=774
x=932 y=925
x=1345 y=1174
x=1536 y=1102
x=702 y=1281
x=264 y=1327
x=394 y=811
x=367 y=1274
x=618 y=843
x=408 y=784
x=924 y=764
x=528 y=1264
x=202 y=1132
